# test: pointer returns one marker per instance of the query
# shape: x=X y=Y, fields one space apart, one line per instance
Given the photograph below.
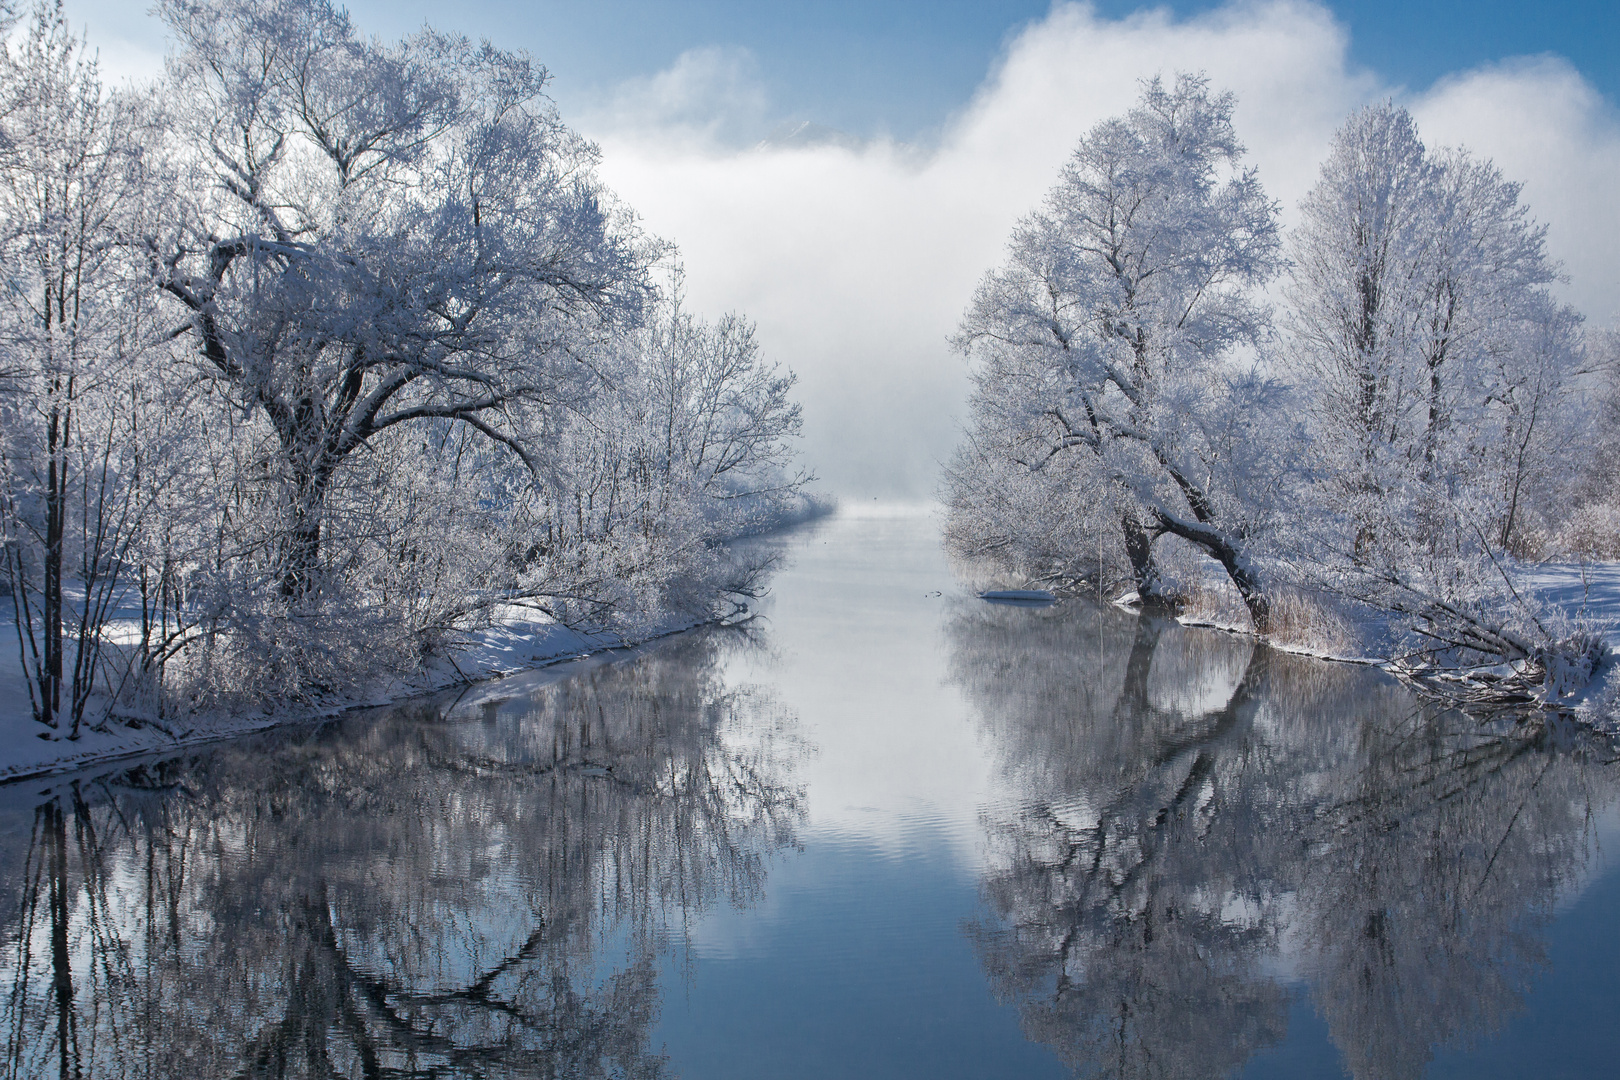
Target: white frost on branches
x=323 y=353
x=1411 y=430
x=1116 y=334
x=1440 y=377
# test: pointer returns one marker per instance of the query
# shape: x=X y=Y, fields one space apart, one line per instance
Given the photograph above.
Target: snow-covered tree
x=325 y=352
x=85 y=412
x=1439 y=373
x=1592 y=527
x=371 y=236
x=687 y=443
x=1116 y=330
x=1057 y=525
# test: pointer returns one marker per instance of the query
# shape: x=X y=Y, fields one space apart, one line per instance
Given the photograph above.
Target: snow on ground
x=1589 y=592
x=519 y=642
x=1582 y=590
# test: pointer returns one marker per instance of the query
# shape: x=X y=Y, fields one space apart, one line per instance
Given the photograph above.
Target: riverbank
x=1584 y=593
x=520 y=643
x=516 y=641
x=512 y=645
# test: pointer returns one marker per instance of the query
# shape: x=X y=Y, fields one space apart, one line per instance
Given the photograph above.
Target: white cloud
x=857 y=262
x=710 y=96
x=1548 y=128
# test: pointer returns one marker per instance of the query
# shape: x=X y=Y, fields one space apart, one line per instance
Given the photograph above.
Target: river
x=886 y=829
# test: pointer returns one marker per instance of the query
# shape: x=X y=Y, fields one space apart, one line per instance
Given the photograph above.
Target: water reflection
x=1195 y=819
x=479 y=889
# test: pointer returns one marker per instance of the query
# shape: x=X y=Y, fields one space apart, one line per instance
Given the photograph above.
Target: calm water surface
x=887 y=830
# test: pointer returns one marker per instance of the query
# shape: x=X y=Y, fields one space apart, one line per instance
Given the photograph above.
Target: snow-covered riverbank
x=1585 y=593
x=513 y=645
x=1589 y=591
x=518 y=639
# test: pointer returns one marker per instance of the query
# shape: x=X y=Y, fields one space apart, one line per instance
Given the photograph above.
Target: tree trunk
x=1224 y=551
x=303 y=553
x=1149 y=585
x=1249 y=587
x=56 y=482
x=301 y=557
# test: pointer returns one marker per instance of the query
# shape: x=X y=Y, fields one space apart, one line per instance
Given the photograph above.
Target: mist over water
x=884 y=829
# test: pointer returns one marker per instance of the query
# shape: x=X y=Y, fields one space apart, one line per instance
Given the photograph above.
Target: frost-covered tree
x=1058 y=525
x=1439 y=373
x=1592 y=528
x=1116 y=330
x=86 y=420
x=1423 y=327
x=687 y=443
x=369 y=236
x=325 y=353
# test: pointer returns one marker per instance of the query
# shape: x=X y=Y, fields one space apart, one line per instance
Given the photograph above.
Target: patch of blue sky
x=904 y=67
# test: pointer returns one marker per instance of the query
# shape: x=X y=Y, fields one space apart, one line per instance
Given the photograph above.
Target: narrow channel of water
x=887 y=829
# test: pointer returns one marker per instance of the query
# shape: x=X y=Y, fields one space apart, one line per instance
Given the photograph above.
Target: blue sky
x=904 y=66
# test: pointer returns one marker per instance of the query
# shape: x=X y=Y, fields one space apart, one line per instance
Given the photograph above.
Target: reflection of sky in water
x=856 y=650
x=858 y=968
x=860 y=939
x=886 y=833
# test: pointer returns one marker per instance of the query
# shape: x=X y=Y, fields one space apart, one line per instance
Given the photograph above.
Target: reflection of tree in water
x=481 y=894
x=1194 y=813
x=1439 y=854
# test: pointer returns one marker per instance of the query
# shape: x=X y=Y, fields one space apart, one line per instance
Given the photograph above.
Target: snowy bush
x=1592 y=531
